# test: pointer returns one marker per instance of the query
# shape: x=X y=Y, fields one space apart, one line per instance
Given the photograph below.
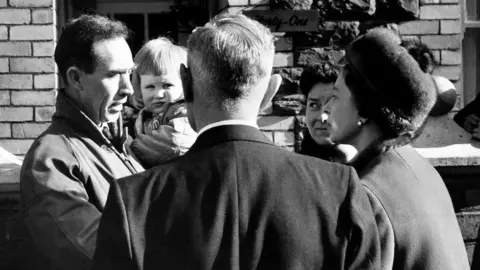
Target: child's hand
x=471 y=122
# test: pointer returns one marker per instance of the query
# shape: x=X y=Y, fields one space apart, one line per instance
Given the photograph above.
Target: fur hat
x=390 y=88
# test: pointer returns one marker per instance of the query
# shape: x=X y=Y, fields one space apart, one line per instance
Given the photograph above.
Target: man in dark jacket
x=235 y=200
x=67 y=172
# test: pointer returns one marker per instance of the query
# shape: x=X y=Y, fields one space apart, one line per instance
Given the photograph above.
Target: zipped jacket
x=64 y=183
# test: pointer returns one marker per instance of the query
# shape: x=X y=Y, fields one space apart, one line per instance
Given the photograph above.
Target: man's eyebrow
x=121 y=70
x=310 y=98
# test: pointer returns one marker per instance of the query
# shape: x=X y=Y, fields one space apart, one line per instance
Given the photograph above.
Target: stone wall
x=27 y=70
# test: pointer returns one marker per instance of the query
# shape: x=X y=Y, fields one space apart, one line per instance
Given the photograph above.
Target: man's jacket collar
x=66 y=109
x=227 y=133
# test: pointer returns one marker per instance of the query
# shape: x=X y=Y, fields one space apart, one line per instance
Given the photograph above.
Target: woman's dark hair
x=421 y=53
x=75 y=46
x=325 y=72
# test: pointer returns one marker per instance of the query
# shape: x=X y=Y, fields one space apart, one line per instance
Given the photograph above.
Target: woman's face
x=344 y=116
x=317 y=112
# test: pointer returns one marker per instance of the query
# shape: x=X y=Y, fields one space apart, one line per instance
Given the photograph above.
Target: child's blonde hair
x=156 y=57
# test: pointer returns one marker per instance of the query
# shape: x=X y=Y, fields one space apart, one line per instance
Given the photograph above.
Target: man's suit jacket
x=236 y=201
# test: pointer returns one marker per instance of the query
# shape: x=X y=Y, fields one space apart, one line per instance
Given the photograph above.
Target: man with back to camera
x=68 y=170
x=235 y=200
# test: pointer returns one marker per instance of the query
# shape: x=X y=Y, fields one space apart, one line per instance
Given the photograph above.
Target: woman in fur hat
x=381 y=98
x=316 y=83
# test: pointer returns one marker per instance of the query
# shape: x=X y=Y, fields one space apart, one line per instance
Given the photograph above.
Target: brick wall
x=27 y=71
x=439 y=26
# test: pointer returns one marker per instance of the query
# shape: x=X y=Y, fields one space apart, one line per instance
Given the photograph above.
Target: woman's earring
x=359 y=123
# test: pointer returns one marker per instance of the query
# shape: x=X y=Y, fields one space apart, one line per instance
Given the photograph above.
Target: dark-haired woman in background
x=382 y=97
x=316 y=83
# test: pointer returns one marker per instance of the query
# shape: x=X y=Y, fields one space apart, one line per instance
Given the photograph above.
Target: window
x=147 y=20
x=471 y=50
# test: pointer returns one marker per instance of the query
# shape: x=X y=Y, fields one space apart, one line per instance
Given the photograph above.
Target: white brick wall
x=31 y=3
x=27 y=71
x=38 y=98
x=15 y=48
x=430 y=12
x=4 y=97
x=5 y=131
x=32 y=65
x=450 y=72
x=450 y=26
x=43 y=48
x=16 y=114
x=451 y=57
x=32 y=32
x=419 y=27
x=3 y=65
x=42 y=16
x=16 y=81
x=3 y=32
x=442 y=41
x=14 y=16
x=44 y=81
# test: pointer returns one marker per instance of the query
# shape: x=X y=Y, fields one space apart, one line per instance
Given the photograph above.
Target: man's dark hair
x=325 y=72
x=75 y=46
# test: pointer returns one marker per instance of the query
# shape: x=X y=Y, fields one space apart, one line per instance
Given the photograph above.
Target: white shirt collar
x=227 y=123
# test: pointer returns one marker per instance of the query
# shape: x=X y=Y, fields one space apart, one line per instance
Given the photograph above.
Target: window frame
x=466 y=24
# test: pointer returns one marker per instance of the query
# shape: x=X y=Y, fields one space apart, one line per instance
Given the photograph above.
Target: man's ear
x=273 y=86
x=73 y=76
x=186 y=77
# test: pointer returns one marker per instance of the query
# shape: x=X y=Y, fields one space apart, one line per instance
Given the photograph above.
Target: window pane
x=136 y=24
x=473 y=10
x=471 y=64
x=162 y=24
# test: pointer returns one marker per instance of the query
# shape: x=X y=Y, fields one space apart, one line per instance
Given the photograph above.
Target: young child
x=161 y=130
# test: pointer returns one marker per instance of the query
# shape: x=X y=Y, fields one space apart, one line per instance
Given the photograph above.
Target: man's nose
x=126 y=85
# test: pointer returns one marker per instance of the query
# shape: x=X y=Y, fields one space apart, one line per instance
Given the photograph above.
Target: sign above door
x=286 y=20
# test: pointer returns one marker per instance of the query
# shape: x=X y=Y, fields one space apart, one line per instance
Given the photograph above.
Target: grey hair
x=230 y=53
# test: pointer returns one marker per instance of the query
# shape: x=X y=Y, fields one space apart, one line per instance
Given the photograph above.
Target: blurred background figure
x=446 y=92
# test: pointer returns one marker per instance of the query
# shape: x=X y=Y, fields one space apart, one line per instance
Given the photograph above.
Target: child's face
x=158 y=91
